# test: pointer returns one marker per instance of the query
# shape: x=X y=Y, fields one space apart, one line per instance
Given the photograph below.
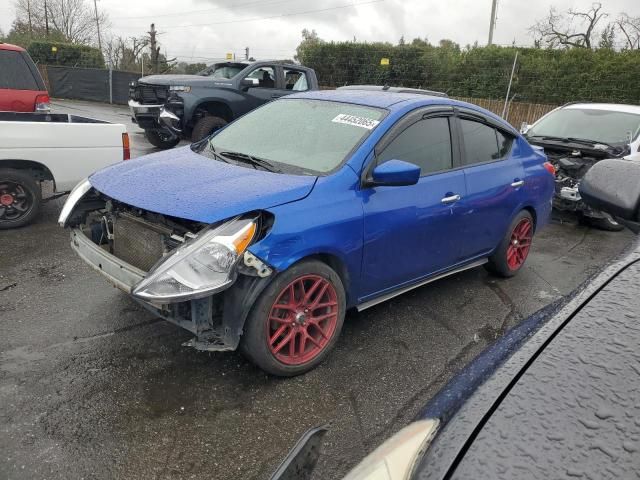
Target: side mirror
x=247 y=83
x=524 y=128
x=613 y=186
x=301 y=461
x=395 y=173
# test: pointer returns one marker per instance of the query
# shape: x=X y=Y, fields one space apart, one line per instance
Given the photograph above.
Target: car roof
x=614 y=107
x=373 y=98
x=8 y=46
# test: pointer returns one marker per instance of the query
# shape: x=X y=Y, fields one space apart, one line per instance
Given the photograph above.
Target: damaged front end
x=571 y=166
x=197 y=276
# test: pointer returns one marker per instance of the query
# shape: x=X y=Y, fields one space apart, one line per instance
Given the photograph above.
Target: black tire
x=606 y=223
x=206 y=126
x=255 y=344
x=499 y=263
x=26 y=194
x=161 y=140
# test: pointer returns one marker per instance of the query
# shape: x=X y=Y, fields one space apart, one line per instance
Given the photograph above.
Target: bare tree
x=571 y=29
x=125 y=53
x=630 y=28
x=74 y=19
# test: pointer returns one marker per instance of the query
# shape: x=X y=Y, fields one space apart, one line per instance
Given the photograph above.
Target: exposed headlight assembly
x=74 y=197
x=179 y=88
x=200 y=267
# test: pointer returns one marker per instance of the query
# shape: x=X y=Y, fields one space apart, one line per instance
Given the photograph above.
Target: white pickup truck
x=57 y=148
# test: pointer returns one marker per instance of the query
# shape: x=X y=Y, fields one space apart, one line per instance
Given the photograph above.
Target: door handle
x=276 y=95
x=517 y=183
x=450 y=199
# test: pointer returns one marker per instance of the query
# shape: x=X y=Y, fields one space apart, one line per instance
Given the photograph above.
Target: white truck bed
x=69 y=147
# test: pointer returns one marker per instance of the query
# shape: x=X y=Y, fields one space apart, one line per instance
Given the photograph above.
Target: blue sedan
x=263 y=235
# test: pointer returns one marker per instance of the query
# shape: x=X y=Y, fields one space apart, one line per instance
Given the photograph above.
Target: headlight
x=396 y=458
x=179 y=88
x=74 y=197
x=200 y=267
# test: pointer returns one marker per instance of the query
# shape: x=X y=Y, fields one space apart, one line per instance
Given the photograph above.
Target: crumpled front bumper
x=154 y=117
x=215 y=328
x=119 y=273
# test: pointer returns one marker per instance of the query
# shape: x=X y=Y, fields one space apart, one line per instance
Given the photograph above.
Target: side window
x=295 y=80
x=426 y=143
x=263 y=77
x=15 y=72
x=480 y=142
x=505 y=142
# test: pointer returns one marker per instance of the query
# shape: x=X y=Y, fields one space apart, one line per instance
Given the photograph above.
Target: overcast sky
x=198 y=30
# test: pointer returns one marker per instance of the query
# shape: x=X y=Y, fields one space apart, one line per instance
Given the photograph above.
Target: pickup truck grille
x=150 y=94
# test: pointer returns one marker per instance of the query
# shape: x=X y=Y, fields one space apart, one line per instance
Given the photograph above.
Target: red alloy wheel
x=302 y=320
x=520 y=244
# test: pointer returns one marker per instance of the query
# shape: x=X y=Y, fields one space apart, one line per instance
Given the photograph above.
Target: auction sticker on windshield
x=356 y=121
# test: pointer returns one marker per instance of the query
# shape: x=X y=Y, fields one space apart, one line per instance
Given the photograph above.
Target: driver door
x=265 y=82
x=411 y=232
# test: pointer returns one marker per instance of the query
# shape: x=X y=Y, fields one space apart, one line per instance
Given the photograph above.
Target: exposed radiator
x=136 y=243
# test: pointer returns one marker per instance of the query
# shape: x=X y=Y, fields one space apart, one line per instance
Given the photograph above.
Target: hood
x=183 y=184
x=176 y=80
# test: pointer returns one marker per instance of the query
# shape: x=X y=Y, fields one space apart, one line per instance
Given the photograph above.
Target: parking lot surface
x=93 y=386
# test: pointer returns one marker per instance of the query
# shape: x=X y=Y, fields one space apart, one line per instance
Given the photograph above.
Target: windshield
x=589 y=124
x=299 y=135
x=223 y=71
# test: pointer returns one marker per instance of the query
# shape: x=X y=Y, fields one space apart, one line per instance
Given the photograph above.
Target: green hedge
x=67 y=54
x=542 y=76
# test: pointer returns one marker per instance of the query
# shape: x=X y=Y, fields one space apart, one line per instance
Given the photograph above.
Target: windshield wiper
x=255 y=161
x=211 y=151
x=583 y=141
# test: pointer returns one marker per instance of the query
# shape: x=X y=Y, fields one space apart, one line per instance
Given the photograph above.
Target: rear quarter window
x=15 y=73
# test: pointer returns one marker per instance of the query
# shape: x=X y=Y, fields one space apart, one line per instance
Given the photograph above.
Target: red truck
x=21 y=86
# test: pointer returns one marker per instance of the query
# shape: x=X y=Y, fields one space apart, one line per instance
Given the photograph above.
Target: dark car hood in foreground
x=565 y=404
x=184 y=184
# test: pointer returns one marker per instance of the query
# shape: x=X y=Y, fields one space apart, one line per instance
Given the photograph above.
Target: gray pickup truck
x=172 y=107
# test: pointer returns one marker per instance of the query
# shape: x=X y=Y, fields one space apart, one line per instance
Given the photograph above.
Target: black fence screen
x=90 y=84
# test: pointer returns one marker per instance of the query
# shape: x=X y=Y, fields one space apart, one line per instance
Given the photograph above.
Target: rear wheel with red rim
x=296 y=321
x=514 y=249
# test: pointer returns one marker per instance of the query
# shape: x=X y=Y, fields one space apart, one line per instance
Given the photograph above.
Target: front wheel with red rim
x=296 y=321
x=514 y=249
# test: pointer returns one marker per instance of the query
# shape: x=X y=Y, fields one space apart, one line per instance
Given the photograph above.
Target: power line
x=271 y=17
x=231 y=7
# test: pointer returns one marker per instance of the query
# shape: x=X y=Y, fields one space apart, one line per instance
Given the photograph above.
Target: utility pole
x=46 y=19
x=29 y=15
x=246 y=53
x=95 y=5
x=492 y=25
x=155 y=50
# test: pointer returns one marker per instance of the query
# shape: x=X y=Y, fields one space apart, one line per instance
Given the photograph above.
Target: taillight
x=549 y=168
x=126 y=149
x=43 y=103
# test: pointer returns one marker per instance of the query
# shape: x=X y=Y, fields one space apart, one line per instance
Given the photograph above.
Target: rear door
x=413 y=231
x=494 y=178
x=18 y=83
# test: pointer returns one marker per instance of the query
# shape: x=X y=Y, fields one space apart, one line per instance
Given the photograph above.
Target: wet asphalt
x=94 y=387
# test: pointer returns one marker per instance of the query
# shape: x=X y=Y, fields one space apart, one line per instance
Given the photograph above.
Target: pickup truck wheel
x=296 y=321
x=513 y=251
x=161 y=139
x=206 y=126
x=20 y=197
